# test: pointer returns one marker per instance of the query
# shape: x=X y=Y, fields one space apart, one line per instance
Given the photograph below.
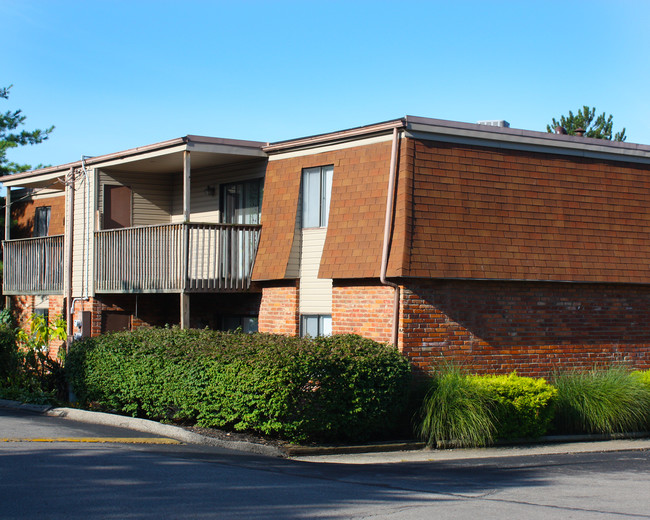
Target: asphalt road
x=44 y=474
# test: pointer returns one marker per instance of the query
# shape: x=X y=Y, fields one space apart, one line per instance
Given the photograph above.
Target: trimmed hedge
x=324 y=389
x=521 y=405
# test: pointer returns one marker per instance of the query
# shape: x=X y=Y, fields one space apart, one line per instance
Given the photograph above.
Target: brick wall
x=533 y=328
x=24 y=306
x=279 y=310
x=364 y=308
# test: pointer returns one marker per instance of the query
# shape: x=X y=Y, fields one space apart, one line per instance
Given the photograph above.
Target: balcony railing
x=175 y=258
x=33 y=266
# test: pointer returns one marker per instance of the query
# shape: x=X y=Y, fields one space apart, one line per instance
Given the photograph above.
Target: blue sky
x=112 y=75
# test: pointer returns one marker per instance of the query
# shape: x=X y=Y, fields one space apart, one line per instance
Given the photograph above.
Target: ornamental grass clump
x=457 y=410
x=602 y=400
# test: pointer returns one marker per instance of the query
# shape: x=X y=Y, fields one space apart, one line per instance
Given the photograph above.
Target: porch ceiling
x=164 y=157
x=202 y=155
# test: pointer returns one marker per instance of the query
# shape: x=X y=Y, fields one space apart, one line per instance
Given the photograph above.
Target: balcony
x=33 y=266
x=175 y=258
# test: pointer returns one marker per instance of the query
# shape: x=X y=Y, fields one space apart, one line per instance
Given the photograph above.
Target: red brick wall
x=23 y=308
x=533 y=328
x=279 y=310
x=364 y=308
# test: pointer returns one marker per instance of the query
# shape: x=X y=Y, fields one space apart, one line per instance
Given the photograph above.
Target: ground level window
x=44 y=312
x=247 y=324
x=315 y=325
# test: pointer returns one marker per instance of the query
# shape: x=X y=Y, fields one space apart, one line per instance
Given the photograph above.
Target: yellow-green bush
x=521 y=405
x=473 y=410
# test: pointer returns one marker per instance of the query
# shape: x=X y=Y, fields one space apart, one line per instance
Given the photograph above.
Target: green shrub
x=326 y=389
x=643 y=376
x=8 y=354
x=601 y=401
x=458 y=410
x=521 y=405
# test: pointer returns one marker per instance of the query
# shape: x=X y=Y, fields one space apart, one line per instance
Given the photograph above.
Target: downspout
x=390 y=200
x=70 y=229
x=8 y=233
x=84 y=267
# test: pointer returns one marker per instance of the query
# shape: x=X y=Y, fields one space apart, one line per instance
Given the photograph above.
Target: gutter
x=388 y=228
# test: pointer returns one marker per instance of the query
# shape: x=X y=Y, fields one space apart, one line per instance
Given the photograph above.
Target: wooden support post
x=185 y=297
x=185 y=310
x=186 y=186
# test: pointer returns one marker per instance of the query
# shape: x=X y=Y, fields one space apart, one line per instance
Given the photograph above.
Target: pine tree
x=10 y=121
x=599 y=127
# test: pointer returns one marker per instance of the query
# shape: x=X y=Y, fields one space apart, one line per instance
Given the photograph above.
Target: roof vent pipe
x=560 y=130
x=580 y=132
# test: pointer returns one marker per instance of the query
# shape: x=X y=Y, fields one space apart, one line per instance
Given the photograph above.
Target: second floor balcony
x=175 y=258
x=33 y=266
x=147 y=259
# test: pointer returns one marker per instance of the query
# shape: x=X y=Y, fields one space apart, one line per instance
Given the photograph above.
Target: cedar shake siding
x=23 y=213
x=484 y=213
x=355 y=230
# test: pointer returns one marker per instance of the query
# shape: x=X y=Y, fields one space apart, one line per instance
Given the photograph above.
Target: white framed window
x=316 y=193
x=315 y=325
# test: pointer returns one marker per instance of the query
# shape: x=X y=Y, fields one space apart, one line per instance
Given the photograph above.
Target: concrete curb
x=17 y=405
x=182 y=435
x=144 y=425
x=164 y=430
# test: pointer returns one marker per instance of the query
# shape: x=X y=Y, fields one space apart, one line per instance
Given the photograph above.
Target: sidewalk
x=367 y=454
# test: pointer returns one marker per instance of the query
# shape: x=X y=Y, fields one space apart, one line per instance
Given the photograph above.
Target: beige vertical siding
x=84 y=227
x=152 y=195
x=315 y=293
x=205 y=208
x=293 y=265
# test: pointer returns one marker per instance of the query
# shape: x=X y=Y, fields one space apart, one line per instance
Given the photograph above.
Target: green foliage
x=7 y=319
x=521 y=405
x=32 y=375
x=642 y=376
x=602 y=400
x=8 y=353
x=10 y=121
x=599 y=127
x=457 y=409
x=326 y=389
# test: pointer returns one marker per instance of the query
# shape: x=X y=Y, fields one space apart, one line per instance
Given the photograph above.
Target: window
x=315 y=325
x=241 y=202
x=41 y=221
x=44 y=312
x=316 y=193
x=247 y=324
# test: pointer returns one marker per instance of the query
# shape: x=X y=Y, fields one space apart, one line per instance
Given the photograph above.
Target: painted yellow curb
x=118 y=440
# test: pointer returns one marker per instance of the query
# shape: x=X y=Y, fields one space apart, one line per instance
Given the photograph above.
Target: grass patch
x=457 y=410
x=602 y=400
